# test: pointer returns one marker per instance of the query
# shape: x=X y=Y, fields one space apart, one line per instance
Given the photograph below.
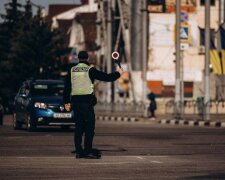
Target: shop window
x=212 y=2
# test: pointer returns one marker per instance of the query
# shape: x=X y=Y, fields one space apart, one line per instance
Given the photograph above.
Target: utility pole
x=109 y=47
x=220 y=12
x=207 y=56
x=104 y=33
x=126 y=36
x=219 y=78
x=181 y=83
x=220 y=21
x=178 y=81
x=223 y=11
x=113 y=39
x=145 y=53
x=98 y=39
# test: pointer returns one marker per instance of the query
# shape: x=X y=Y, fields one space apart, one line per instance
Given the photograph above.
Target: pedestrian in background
x=153 y=105
x=79 y=95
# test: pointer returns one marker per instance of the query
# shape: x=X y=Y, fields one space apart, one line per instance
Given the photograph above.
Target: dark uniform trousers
x=84 y=116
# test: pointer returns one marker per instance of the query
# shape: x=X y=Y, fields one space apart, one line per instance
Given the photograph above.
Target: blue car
x=40 y=102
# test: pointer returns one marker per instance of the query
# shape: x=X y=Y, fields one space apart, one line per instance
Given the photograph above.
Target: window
x=212 y=37
x=156 y=2
x=44 y=89
x=186 y=5
x=158 y=6
x=212 y=2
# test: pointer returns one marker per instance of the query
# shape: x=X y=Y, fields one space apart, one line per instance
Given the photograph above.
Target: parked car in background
x=8 y=103
x=40 y=102
x=1 y=112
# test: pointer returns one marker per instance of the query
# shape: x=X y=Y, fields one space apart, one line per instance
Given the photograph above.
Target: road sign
x=183 y=17
x=185 y=33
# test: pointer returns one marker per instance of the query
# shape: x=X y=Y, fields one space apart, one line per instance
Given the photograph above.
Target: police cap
x=82 y=55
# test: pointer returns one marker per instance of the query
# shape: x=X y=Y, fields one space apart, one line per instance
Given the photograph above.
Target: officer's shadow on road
x=52 y=129
x=208 y=176
x=110 y=149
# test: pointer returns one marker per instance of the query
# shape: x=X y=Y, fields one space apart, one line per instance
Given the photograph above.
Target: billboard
x=186 y=5
x=168 y=6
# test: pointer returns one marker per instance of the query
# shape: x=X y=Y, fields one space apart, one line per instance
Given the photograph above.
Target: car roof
x=47 y=81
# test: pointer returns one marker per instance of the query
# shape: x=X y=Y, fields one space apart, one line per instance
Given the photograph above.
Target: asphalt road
x=131 y=150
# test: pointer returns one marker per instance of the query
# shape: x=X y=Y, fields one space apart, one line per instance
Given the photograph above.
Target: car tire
x=16 y=125
x=30 y=126
x=65 y=127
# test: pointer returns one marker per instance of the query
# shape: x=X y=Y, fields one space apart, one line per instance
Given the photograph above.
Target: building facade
x=161 y=74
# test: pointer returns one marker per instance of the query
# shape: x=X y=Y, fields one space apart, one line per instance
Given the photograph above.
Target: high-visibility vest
x=80 y=81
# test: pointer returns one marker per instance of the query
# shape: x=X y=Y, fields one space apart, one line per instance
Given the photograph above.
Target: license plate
x=62 y=115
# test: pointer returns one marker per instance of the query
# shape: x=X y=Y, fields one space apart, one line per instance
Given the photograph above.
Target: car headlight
x=40 y=105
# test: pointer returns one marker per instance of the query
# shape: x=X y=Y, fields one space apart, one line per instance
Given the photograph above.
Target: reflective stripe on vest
x=80 y=81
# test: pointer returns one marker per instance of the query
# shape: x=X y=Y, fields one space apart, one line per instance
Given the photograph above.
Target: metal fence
x=197 y=107
x=121 y=108
x=191 y=109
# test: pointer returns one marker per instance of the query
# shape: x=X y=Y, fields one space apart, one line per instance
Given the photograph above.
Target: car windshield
x=55 y=89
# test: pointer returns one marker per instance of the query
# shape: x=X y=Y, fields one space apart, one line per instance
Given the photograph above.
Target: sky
x=44 y=3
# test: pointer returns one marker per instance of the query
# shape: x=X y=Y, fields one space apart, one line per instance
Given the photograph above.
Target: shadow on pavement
x=49 y=129
x=207 y=177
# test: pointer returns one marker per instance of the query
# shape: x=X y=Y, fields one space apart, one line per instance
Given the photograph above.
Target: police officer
x=79 y=95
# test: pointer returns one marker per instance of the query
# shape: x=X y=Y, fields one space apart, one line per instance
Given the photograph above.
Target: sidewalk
x=130 y=113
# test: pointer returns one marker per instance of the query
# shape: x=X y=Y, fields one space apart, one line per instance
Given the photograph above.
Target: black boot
x=96 y=151
x=92 y=154
x=79 y=154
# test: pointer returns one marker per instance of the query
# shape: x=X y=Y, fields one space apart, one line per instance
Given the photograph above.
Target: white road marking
x=72 y=157
x=158 y=162
x=42 y=157
x=161 y=156
x=102 y=163
x=105 y=158
x=139 y=157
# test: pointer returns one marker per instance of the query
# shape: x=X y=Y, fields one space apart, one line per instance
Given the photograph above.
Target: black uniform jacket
x=93 y=74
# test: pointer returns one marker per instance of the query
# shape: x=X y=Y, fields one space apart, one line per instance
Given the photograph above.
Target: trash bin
x=200 y=105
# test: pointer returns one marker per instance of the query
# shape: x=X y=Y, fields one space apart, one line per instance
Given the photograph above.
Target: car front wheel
x=65 y=127
x=30 y=126
x=16 y=125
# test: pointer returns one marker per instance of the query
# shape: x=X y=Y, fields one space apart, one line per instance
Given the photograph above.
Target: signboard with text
x=186 y=5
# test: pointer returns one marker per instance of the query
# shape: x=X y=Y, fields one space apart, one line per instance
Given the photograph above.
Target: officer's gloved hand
x=68 y=106
x=121 y=71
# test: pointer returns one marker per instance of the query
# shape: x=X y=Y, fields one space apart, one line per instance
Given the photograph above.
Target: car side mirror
x=23 y=95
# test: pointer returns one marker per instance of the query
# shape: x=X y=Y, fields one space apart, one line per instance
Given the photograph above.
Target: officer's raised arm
x=102 y=76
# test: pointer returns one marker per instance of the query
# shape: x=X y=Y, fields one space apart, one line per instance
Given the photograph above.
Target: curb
x=192 y=123
x=181 y=122
x=117 y=118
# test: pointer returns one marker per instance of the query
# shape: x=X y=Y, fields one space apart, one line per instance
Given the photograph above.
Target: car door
x=21 y=103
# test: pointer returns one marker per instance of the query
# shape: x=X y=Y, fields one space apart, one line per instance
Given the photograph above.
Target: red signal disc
x=115 y=55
